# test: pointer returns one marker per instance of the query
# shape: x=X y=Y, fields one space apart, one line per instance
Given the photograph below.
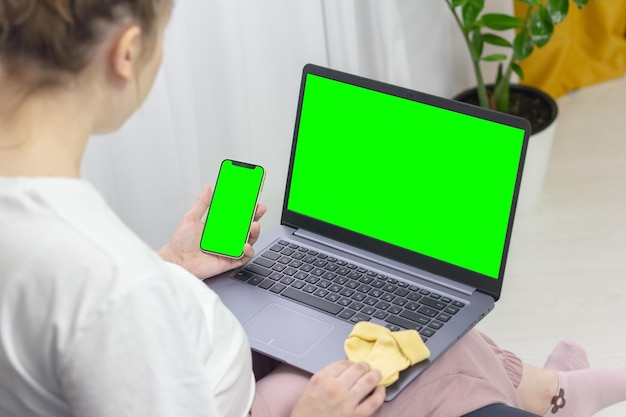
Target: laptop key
x=277 y=288
x=444 y=317
x=418 y=318
x=394 y=309
x=427 y=332
x=412 y=305
x=255 y=280
x=332 y=297
x=365 y=279
x=368 y=310
x=401 y=292
x=258 y=269
x=271 y=255
x=276 y=276
x=335 y=287
x=295 y=263
x=300 y=275
x=309 y=259
x=402 y=322
x=297 y=284
x=268 y=263
x=383 y=305
x=321 y=292
x=413 y=296
x=359 y=317
x=427 y=311
x=451 y=310
x=370 y=301
x=433 y=303
x=243 y=275
x=290 y=270
x=380 y=315
x=284 y=260
x=355 y=305
x=435 y=324
x=344 y=301
x=276 y=248
x=346 y=314
x=311 y=300
x=317 y=271
x=266 y=283
x=358 y=296
x=324 y=283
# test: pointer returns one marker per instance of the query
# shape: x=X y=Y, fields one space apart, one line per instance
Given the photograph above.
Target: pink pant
x=474 y=373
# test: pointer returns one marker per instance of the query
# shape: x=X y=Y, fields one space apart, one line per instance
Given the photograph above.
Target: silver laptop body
x=390 y=193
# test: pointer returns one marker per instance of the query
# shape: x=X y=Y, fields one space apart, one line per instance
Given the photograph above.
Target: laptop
x=398 y=210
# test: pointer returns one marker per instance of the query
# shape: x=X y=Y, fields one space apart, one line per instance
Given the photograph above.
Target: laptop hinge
x=380 y=260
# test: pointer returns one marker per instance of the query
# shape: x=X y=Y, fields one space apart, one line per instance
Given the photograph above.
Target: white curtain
x=229 y=84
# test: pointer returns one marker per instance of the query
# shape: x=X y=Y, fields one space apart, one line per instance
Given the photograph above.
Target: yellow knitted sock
x=389 y=352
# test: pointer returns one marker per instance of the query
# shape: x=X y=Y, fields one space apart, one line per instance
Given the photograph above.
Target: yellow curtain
x=588 y=47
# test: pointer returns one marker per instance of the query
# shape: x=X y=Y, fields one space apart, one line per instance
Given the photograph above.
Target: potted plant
x=533 y=30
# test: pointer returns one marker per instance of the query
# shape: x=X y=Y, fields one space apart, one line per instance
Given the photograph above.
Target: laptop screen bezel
x=481 y=282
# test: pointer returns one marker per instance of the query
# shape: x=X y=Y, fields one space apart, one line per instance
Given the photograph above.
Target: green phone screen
x=232 y=208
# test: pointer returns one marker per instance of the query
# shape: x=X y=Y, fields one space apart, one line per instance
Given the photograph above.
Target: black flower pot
x=525 y=101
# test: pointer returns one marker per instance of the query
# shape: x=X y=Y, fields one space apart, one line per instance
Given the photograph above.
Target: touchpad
x=286 y=329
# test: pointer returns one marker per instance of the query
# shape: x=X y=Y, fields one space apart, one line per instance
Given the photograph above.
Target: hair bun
x=57 y=35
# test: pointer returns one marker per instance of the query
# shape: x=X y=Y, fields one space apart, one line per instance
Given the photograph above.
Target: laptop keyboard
x=348 y=291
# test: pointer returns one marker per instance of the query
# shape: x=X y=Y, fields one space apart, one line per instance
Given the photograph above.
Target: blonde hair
x=49 y=39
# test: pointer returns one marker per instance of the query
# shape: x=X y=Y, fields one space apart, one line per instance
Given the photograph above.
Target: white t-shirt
x=93 y=323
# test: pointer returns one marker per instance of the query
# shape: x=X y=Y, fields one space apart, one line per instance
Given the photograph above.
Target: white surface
x=567 y=263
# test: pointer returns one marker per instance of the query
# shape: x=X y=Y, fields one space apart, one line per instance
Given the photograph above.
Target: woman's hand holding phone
x=183 y=248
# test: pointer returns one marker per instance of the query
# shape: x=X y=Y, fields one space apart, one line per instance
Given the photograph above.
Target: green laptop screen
x=416 y=176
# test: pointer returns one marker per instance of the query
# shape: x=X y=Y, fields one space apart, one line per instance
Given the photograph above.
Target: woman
x=93 y=323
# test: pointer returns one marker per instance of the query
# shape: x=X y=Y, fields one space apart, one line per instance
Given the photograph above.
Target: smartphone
x=232 y=208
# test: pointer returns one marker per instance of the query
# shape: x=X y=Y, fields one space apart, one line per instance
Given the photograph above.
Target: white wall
x=228 y=89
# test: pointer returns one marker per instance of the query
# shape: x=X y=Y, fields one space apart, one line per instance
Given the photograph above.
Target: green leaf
x=496 y=40
x=522 y=45
x=501 y=95
x=471 y=9
x=497 y=21
x=476 y=44
x=518 y=70
x=495 y=57
x=541 y=27
x=457 y=3
x=581 y=3
x=531 y=2
x=558 y=10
